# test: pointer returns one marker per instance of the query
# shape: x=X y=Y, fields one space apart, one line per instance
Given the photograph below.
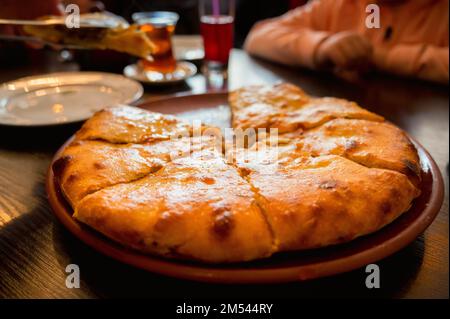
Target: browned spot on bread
x=386 y=207
x=223 y=223
x=208 y=180
x=60 y=165
x=245 y=171
x=342 y=212
x=395 y=193
x=317 y=209
x=98 y=165
x=72 y=178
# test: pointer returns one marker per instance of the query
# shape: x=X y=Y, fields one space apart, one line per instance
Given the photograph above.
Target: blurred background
x=248 y=13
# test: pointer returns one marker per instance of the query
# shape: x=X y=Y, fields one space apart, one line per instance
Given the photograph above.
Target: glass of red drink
x=217 y=28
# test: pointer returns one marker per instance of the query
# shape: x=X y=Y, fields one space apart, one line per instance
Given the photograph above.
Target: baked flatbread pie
x=313 y=202
x=155 y=184
x=288 y=108
x=130 y=40
x=192 y=208
x=88 y=166
x=373 y=144
x=128 y=124
x=258 y=106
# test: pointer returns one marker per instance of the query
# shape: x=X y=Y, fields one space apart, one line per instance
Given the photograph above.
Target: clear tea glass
x=159 y=27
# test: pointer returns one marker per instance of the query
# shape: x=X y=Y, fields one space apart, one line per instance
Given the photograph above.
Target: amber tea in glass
x=159 y=26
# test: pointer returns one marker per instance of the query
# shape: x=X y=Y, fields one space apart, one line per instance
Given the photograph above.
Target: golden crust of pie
x=280 y=95
x=373 y=144
x=336 y=173
x=314 y=202
x=319 y=111
x=88 y=166
x=192 y=208
x=126 y=124
x=257 y=106
x=288 y=108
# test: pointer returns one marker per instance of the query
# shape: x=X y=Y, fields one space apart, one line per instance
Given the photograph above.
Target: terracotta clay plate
x=281 y=267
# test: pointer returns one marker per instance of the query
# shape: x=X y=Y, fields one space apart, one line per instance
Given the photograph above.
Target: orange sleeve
x=292 y=38
x=433 y=64
x=422 y=61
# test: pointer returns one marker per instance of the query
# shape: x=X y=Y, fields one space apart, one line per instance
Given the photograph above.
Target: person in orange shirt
x=410 y=40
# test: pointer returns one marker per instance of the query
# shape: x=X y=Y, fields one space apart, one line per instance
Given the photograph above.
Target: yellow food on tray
x=126 y=39
x=335 y=172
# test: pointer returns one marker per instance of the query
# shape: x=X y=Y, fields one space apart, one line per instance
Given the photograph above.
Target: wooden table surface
x=35 y=248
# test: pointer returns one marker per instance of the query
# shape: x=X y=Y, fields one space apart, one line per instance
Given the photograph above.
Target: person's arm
x=292 y=38
x=31 y=9
x=422 y=61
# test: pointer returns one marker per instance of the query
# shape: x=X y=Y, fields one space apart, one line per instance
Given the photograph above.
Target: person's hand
x=344 y=51
x=31 y=9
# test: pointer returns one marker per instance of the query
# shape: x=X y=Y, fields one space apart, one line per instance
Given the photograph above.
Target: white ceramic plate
x=58 y=98
x=183 y=71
